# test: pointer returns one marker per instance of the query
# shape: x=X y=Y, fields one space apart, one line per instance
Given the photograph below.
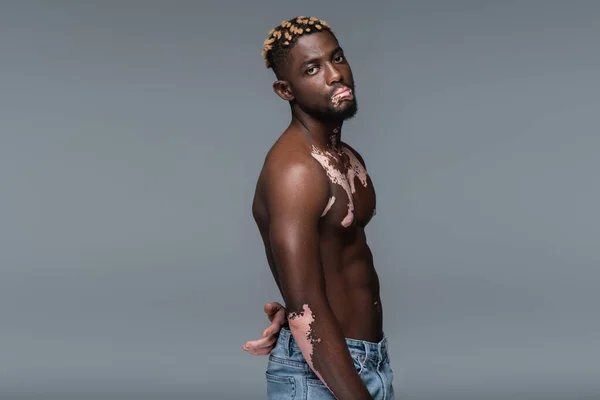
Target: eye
x=339 y=59
x=312 y=70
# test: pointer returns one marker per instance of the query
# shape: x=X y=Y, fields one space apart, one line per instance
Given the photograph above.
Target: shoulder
x=354 y=153
x=289 y=159
x=291 y=175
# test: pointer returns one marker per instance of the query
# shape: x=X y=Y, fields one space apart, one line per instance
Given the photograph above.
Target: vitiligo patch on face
x=355 y=169
x=338 y=97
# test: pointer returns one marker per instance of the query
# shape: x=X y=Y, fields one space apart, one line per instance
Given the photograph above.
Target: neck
x=324 y=133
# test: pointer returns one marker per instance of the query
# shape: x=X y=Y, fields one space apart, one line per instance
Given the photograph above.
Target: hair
x=283 y=37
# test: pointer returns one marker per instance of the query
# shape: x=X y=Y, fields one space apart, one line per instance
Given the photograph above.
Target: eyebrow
x=315 y=59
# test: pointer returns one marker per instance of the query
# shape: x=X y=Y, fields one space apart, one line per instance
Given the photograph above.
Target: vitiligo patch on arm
x=301 y=327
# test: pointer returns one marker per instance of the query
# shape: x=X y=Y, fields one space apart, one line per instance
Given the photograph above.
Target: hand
x=262 y=347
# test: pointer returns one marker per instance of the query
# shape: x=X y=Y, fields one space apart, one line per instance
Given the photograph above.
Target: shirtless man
x=312 y=202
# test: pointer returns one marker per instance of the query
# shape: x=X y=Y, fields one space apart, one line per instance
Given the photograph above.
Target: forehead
x=314 y=45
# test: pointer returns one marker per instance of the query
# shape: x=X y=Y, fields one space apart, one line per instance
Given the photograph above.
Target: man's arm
x=297 y=192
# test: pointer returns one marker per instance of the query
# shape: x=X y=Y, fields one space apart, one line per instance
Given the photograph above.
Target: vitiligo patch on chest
x=346 y=181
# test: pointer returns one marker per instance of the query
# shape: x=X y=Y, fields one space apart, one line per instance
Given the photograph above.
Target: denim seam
x=315 y=382
x=294 y=364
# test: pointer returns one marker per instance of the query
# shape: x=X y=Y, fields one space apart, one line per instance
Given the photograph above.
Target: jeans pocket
x=316 y=390
x=280 y=387
x=359 y=365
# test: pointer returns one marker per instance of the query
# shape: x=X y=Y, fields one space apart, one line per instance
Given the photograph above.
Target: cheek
x=311 y=93
x=310 y=101
x=348 y=74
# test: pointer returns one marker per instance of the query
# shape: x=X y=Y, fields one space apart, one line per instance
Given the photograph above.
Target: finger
x=259 y=351
x=279 y=316
x=274 y=328
x=271 y=329
x=262 y=352
x=269 y=311
x=260 y=343
x=268 y=307
x=272 y=308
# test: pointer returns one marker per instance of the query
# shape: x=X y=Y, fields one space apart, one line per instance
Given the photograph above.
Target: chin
x=347 y=112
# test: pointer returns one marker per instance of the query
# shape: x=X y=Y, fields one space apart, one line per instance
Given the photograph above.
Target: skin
x=312 y=202
x=328 y=207
x=301 y=324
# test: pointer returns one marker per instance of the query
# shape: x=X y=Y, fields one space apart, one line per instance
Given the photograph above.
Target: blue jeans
x=290 y=378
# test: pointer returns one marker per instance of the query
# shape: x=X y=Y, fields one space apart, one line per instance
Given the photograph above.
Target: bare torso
x=352 y=285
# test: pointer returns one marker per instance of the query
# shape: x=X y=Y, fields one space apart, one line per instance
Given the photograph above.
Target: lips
x=340 y=94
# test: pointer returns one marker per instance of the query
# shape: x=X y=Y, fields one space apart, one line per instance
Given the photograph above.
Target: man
x=312 y=202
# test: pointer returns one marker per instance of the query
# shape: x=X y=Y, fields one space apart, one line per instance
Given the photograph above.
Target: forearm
x=322 y=344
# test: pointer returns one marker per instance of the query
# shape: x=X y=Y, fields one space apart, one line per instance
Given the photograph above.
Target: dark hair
x=282 y=39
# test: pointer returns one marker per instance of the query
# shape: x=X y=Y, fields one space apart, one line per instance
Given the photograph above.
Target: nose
x=333 y=74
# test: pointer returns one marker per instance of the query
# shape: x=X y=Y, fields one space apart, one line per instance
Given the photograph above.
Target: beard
x=342 y=112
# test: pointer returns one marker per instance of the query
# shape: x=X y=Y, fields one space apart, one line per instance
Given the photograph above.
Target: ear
x=283 y=90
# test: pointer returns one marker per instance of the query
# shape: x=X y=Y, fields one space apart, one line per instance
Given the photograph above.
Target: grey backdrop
x=132 y=133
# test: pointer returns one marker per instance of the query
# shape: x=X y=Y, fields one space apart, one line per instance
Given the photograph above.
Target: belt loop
x=287 y=344
x=381 y=349
x=366 y=347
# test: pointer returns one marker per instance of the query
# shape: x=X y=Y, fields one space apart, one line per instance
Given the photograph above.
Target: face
x=316 y=72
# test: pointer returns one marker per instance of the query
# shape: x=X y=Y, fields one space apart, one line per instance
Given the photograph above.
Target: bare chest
x=352 y=200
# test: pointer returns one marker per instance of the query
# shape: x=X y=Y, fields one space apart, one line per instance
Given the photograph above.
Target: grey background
x=132 y=133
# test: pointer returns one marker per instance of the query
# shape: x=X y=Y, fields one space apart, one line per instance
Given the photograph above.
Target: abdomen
x=353 y=290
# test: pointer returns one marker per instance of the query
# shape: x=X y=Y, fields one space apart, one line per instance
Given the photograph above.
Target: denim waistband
x=371 y=350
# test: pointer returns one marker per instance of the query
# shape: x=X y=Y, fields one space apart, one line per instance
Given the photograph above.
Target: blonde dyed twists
x=282 y=37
